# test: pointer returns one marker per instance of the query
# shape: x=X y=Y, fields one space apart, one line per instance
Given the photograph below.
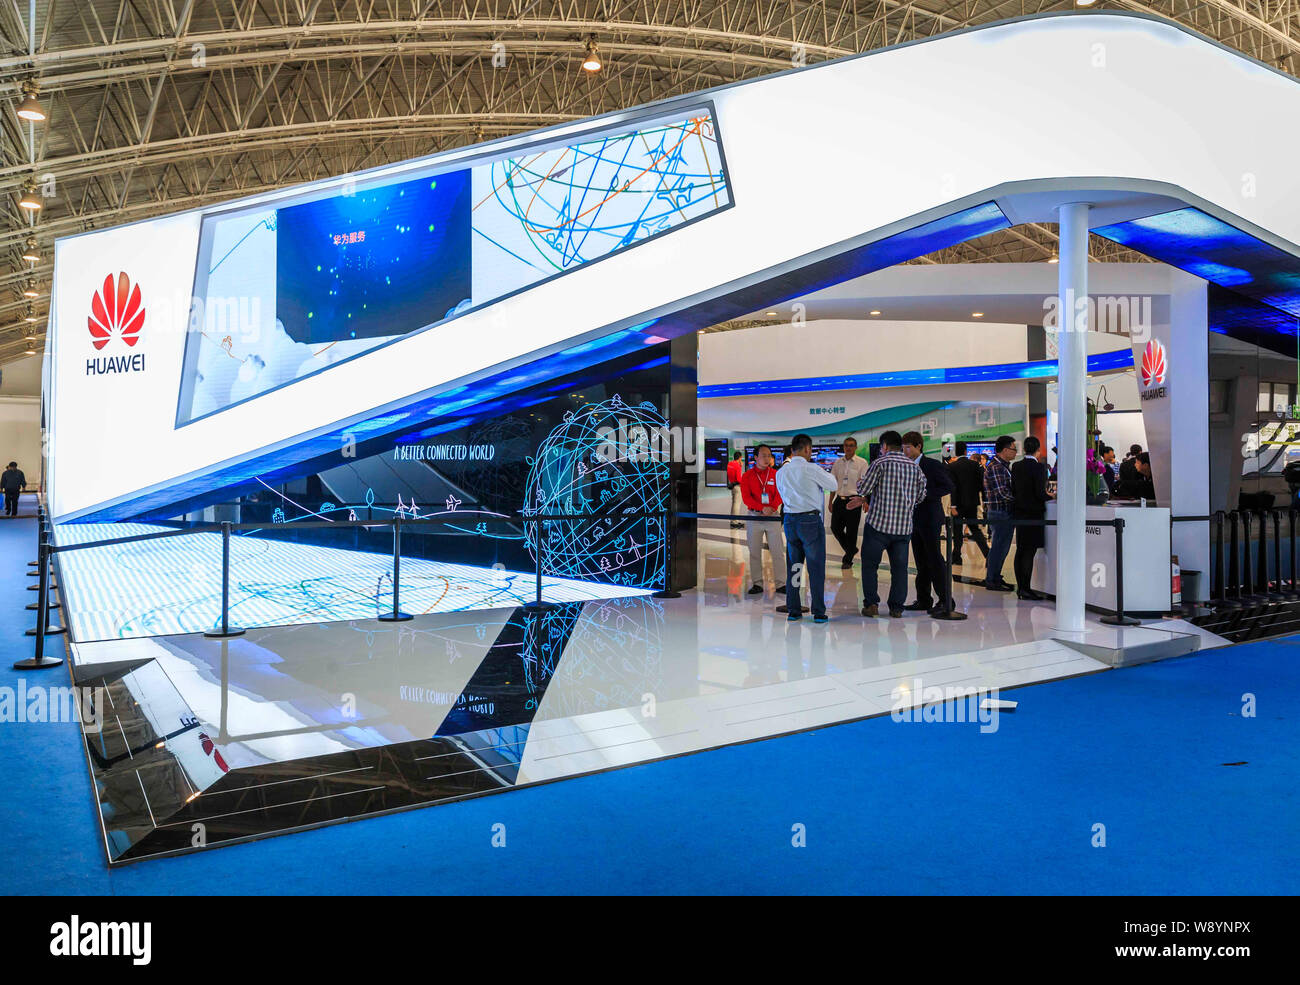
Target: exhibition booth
x=445 y=437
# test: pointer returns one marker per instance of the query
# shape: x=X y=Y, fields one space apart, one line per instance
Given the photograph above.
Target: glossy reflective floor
x=200 y=742
x=173 y=585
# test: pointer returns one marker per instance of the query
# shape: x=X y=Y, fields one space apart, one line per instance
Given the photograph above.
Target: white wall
x=841 y=346
x=20 y=435
x=20 y=416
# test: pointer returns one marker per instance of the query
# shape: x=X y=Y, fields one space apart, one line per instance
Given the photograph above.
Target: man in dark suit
x=927 y=518
x=1029 y=502
x=968 y=478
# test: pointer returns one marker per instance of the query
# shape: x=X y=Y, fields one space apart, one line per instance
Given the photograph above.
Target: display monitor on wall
x=717 y=453
x=778 y=452
x=287 y=289
x=980 y=447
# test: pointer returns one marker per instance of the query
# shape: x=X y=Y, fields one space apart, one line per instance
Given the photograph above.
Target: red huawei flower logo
x=116 y=311
x=1153 y=363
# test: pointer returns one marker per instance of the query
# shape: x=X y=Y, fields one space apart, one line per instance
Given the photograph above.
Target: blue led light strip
x=1102 y=362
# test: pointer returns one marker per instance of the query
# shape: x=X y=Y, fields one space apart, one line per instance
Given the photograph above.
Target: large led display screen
x=285 y=291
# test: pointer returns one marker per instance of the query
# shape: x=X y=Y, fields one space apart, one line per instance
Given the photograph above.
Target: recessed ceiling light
x=977 y=314
x=875 y=311
x=771 y=314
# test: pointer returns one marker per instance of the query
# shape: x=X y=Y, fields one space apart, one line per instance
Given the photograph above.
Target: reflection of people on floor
x=997 y=509
x=927 y=518
x=734 y=469
x=893 y=487
x=1029 y=503
x=848 y=471
x=759 y=493
x=968 y=480
x=803 y=487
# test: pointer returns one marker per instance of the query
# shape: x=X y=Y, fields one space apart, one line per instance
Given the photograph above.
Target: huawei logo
x=1153 y=364
x=116 y=312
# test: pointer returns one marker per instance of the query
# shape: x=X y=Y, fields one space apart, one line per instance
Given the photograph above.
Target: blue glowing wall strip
x=1040 y=370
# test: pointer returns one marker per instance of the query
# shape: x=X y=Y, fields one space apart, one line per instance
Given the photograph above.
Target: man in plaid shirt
x=893 y=486
x=997 y=509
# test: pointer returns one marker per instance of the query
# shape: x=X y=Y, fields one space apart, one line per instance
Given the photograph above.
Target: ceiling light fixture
x=30 y=315
x=1053 y=259
x=30 y=108
x=29 y=289
x=30 y=253
x=591 y=60
x=875 y=311
x=30 y=200
x=977 y=314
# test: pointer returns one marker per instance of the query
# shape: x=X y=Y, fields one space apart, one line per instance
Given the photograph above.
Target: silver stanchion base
x=667 y=593
x=217 y=634
x=32 y=663
x=537 y=605
x=1114 y=620
x=395 y=617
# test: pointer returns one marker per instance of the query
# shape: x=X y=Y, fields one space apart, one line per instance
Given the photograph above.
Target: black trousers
x=1028 y=541
x=844 y=525
x=11 y=502
x=976 y=534
x=930 y=580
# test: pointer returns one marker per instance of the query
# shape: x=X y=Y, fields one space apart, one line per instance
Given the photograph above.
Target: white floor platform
x=173 y=585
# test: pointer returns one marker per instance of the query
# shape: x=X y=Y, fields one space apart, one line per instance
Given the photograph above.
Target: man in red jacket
x=735 y=469
x=758 y=490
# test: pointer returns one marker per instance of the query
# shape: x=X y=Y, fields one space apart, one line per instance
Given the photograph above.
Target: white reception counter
x=1146 y=558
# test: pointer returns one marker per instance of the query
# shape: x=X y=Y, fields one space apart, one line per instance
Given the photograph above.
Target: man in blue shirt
x=803 y=487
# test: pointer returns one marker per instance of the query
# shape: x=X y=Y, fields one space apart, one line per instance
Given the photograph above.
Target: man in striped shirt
x=894 y=486
x=997 y=508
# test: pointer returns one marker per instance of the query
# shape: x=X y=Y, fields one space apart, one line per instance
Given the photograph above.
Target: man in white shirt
x=803 y=487
x=848 y=471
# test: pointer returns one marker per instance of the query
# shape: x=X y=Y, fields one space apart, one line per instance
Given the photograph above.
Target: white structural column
x=1071 y=440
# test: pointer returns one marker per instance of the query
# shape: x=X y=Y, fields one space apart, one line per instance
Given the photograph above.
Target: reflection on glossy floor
x=173 y=585
x=201 y=742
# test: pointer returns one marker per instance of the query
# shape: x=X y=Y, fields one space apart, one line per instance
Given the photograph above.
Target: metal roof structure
x=155 y=106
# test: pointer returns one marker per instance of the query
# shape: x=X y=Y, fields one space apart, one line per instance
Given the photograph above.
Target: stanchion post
x=225 y=630
x=1262 y=564
x=1234 y=559
x=1117 y=618
x=396 y=614
x=1280 y=587
x=1221 y=570
x=1247 y=558
x=1291 y=523
x=40 y=660
x=670 y=533
x=538 y=603
x=947 y=609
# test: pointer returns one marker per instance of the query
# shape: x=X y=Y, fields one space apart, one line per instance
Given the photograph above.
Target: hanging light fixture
x=29 y=289
x=30 y=253
x=30 y=108
x=30 y=200
x=591 y=60
x=30 y=315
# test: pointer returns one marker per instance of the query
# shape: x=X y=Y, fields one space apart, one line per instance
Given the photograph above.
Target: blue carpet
x=888 y=807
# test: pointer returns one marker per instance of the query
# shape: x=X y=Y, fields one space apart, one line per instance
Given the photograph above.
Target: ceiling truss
x=155 y=106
